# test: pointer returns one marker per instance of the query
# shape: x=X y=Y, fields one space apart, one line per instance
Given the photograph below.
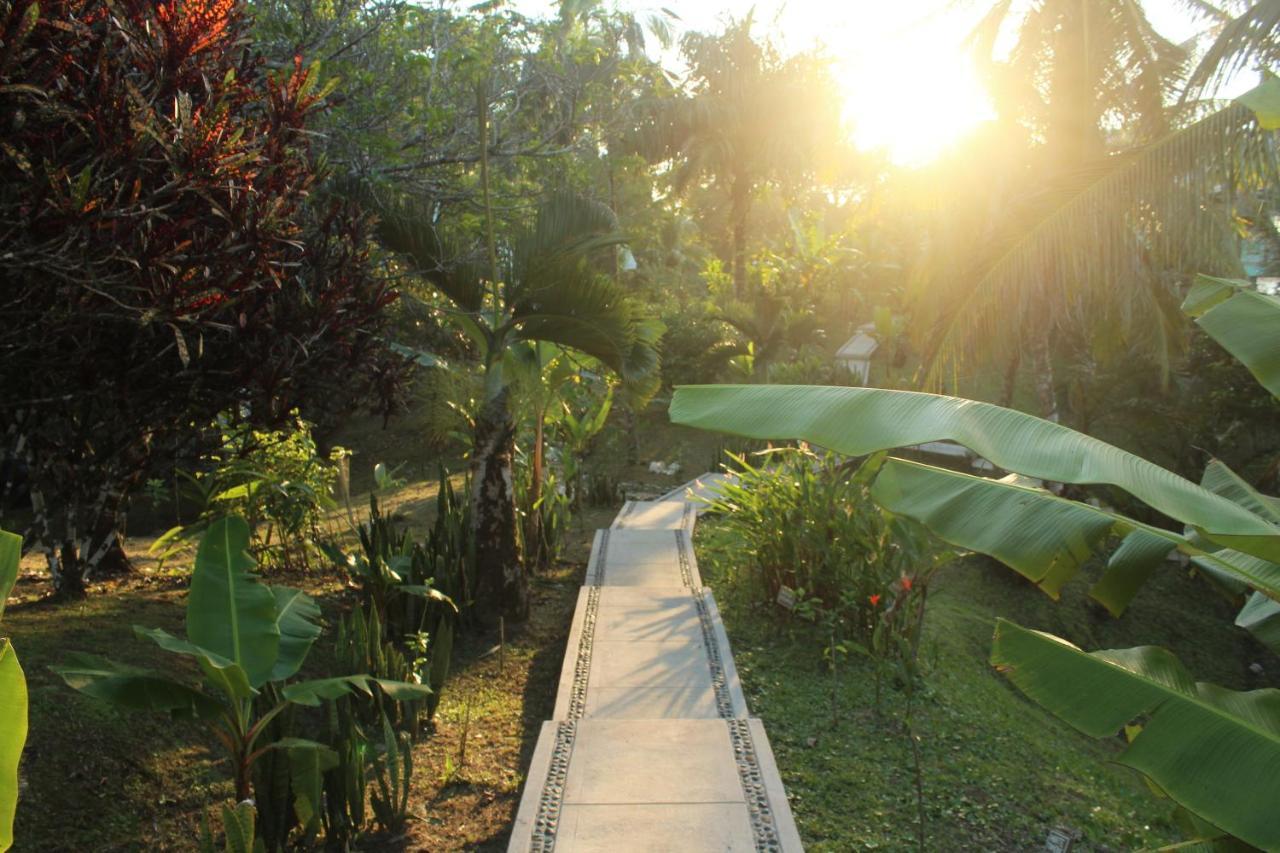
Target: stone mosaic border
x=763 y=826
x=582 y=666
x=551 y=802
x=686 y=569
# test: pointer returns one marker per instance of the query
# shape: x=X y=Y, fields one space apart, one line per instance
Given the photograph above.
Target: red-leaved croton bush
x=165 y=255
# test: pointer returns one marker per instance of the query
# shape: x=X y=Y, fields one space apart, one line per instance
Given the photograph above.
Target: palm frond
x=1100 y=243
x=1252 y=37
x=406 y=226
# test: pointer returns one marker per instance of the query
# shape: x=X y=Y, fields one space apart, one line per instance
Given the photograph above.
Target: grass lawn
x=998 y=772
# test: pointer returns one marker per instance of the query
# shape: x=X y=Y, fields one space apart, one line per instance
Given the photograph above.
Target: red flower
x=875 y=600
x=906 y=584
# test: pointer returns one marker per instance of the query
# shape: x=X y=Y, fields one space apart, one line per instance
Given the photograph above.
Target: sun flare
x=913 y=104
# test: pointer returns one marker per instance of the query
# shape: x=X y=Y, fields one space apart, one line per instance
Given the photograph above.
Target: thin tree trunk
x=1042 y=365
x=739 y=208
x=535 y=540
x=503 y=585
x=1010 y=378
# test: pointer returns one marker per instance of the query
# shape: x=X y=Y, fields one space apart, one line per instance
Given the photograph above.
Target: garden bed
x=998 y=772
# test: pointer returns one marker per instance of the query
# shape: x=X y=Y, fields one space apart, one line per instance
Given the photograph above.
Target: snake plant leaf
x=1214 y=751
x=228 y=611
x=13 y=697
x=1043 y=537
x=296 y=620
x=859 y=421
x=133 y=687
x=316 y=690
x=1243 y=321
x=226 y=675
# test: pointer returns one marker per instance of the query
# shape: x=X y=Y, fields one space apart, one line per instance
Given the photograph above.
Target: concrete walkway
x=651 y=747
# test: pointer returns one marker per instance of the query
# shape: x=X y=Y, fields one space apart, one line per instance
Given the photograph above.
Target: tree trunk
x=1042 y=364
x=1010 y=378
x=535 y=541
x=502 y=584
x=740 y=204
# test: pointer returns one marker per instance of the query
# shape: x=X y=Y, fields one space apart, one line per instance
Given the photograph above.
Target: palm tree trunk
x=502 y=584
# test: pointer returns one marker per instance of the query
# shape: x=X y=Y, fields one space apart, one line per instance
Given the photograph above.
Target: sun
x=913 y=103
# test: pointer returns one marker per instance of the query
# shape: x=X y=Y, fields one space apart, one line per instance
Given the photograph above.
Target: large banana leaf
x=1220 y=479
x=13 y=697
x=1215 y=751
x=1243 y=320
x=858 y=421
x=229 y=612
x=296 y=619
x=1043 y=537
x=1260 y=616
x=226 y=675
x=133 y=687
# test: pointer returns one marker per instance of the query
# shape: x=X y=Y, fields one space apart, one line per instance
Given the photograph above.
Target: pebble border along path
x=651 y=747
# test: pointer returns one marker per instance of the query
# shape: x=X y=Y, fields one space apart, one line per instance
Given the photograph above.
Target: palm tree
x=545 y=288
x=1100 y=240
x=1252 y=37
x=750 y=118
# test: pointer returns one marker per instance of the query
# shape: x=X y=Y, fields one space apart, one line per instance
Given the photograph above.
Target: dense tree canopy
x=164 y=234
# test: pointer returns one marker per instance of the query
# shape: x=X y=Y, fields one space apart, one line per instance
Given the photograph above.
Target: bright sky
x=909 y=87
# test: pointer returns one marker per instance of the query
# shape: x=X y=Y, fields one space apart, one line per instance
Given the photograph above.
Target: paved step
x=657 y=558
x=672 y=514
x=651 y=747
x=648 y=653
x=654 y=785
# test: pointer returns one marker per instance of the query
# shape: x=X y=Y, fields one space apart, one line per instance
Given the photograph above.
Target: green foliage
x=274 y=479
x=13 y=696
x=809 y=526
x=249 y=641
x=1188 y=731
x=1243 y=320
x=394 y=574
x=392 y=775
x=1009 y=439
x=1197 y=740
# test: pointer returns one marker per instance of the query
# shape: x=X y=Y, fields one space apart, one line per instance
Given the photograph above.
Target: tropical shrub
x=806 y=524
x=1214 y=751
x=250 y=641
x=274 y=479
x=13 y=697
x=166 y=233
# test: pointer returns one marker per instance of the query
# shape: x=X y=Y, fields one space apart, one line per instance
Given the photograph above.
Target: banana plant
x=13 y=697
x=1216 y=752
x=250 y=640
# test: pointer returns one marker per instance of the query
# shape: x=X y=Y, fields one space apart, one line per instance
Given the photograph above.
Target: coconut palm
x=1100 y=244
x=545 y=288
x=750 y=118
x=1252 y=37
